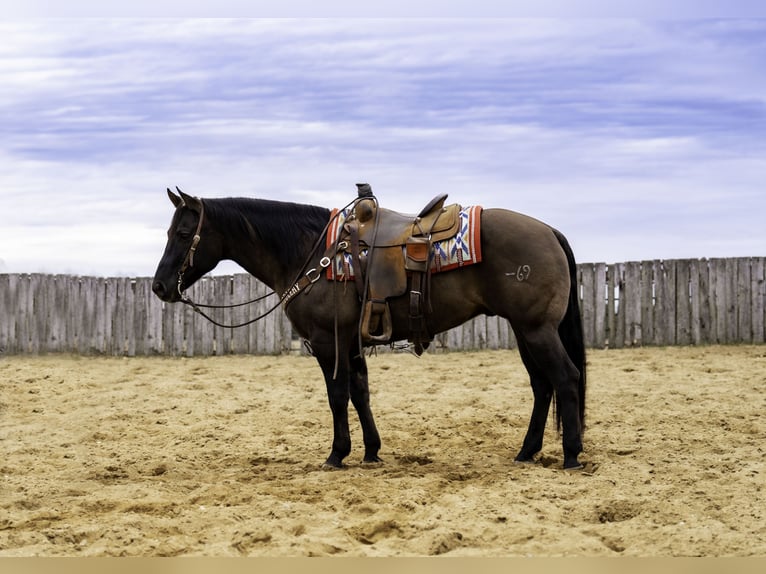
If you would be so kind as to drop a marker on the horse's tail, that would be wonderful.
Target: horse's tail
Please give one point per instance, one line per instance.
(570, 330)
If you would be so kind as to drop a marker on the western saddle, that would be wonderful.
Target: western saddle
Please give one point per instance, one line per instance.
(391, 256)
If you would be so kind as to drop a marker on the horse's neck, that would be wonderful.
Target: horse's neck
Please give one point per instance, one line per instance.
(274, 252)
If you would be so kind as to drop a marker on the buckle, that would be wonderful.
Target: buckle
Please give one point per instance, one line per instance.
(316, 273)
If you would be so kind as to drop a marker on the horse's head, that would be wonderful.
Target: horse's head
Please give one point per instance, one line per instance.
(193, 248)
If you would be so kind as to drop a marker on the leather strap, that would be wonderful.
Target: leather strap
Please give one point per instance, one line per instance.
(189, 259)
(353, 230)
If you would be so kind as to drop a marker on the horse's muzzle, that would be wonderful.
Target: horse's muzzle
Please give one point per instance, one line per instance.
(162, 291)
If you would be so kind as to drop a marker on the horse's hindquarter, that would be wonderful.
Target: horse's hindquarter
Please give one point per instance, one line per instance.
(523, 276)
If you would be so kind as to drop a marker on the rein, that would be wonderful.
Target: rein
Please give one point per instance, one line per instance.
(189, 262)
(302, 282)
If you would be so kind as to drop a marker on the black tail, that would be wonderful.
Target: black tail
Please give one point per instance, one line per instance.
(570, 329)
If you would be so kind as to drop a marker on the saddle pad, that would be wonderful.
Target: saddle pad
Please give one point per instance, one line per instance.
(459, 251)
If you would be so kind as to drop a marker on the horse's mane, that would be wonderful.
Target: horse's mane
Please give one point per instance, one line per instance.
(286, 227)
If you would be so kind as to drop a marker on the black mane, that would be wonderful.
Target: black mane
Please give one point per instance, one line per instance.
(286, 227)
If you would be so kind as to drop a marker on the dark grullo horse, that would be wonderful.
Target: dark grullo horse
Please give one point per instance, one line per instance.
(277, 242)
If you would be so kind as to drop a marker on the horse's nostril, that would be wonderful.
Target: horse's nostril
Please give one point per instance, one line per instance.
(159, 288)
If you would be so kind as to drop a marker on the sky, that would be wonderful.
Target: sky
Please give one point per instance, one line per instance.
(639, 138)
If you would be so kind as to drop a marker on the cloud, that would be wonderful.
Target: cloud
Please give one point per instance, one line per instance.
(597, 126)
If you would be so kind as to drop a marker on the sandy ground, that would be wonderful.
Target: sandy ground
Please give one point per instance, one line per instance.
(222, 457)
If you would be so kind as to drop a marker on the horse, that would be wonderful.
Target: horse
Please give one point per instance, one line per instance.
(277, 241)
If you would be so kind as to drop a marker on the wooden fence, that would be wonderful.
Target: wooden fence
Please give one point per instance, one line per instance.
(673, 302)
(121, 316)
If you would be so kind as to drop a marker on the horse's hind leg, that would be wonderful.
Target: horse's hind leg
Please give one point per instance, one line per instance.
(360, 398)
(543, 393)
(546, 350)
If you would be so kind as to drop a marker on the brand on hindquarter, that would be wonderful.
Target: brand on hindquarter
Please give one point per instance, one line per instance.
(521, 273)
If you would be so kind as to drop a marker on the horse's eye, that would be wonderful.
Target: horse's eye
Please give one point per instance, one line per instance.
(184, 234)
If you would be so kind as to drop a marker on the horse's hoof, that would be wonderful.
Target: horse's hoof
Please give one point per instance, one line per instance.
(376, 461)
(333, 463)
(575, 465)
(525, 457)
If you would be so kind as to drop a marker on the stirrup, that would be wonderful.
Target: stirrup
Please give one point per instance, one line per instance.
(377, 310)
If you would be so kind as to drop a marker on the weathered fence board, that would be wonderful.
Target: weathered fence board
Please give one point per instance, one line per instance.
(758, 298)
(647, 302)
(694, 303)
(616, 318)
(631, 303)
(744, 322)
(586, 278)
(659, 302)
(683, 305)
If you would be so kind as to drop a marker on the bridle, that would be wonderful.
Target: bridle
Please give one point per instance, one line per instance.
(302, 283)
(189, 259)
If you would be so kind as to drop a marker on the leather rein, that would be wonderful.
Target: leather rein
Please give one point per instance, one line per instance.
(302, 283)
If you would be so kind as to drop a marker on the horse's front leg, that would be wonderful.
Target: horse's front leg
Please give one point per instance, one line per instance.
(337, 382)
(360, 397)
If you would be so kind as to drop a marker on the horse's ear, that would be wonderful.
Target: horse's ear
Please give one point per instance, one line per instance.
(177, 201)
(192, 203)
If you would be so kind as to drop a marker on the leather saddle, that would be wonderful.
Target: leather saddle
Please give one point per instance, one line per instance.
(392, 253)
